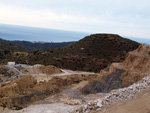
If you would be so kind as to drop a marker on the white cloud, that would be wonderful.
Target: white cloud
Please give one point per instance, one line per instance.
(12, 15)
(125, 17)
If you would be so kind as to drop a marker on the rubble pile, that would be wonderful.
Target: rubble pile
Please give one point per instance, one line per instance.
(114, 96)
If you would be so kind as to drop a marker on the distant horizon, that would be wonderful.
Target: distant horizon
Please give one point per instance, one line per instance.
(42, 28)
(30, 29)
(9, 32)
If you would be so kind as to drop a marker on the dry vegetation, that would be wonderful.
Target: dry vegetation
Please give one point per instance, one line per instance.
(92, 53)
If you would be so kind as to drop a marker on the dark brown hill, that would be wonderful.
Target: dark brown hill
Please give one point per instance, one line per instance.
(92, 53)
(9, 50)
(8, 46)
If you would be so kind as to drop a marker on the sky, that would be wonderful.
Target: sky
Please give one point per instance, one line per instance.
(123, 17)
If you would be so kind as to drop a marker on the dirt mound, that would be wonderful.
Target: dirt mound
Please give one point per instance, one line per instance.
(16, 87)
(119, 75)
(25, 90)
(41, 70)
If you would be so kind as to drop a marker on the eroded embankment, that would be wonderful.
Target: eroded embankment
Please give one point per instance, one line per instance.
(119, 75)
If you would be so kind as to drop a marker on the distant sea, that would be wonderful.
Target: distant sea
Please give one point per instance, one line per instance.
(140, 40)
(15, 32)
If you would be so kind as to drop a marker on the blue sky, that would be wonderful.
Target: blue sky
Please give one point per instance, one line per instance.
(123, 17)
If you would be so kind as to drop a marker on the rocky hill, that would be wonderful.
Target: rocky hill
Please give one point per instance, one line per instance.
(19, 50)
(91, 53)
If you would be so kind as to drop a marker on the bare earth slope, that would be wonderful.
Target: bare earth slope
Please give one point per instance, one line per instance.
(119, 75)
(130, 81)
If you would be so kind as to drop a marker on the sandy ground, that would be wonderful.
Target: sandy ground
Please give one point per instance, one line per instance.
(42, 108)
(140, 104)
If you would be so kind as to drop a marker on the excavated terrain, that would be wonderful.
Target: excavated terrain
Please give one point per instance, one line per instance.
(10, 72)
(125, 82)
(87, 92)
(23, 91)
(114, 99)
(119, 75)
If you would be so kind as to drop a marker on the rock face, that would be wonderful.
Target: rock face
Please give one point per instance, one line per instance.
(119, 75)
(138, 60)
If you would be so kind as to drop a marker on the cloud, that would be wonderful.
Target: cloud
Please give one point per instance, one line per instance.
(19, 15)
(125, 17)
